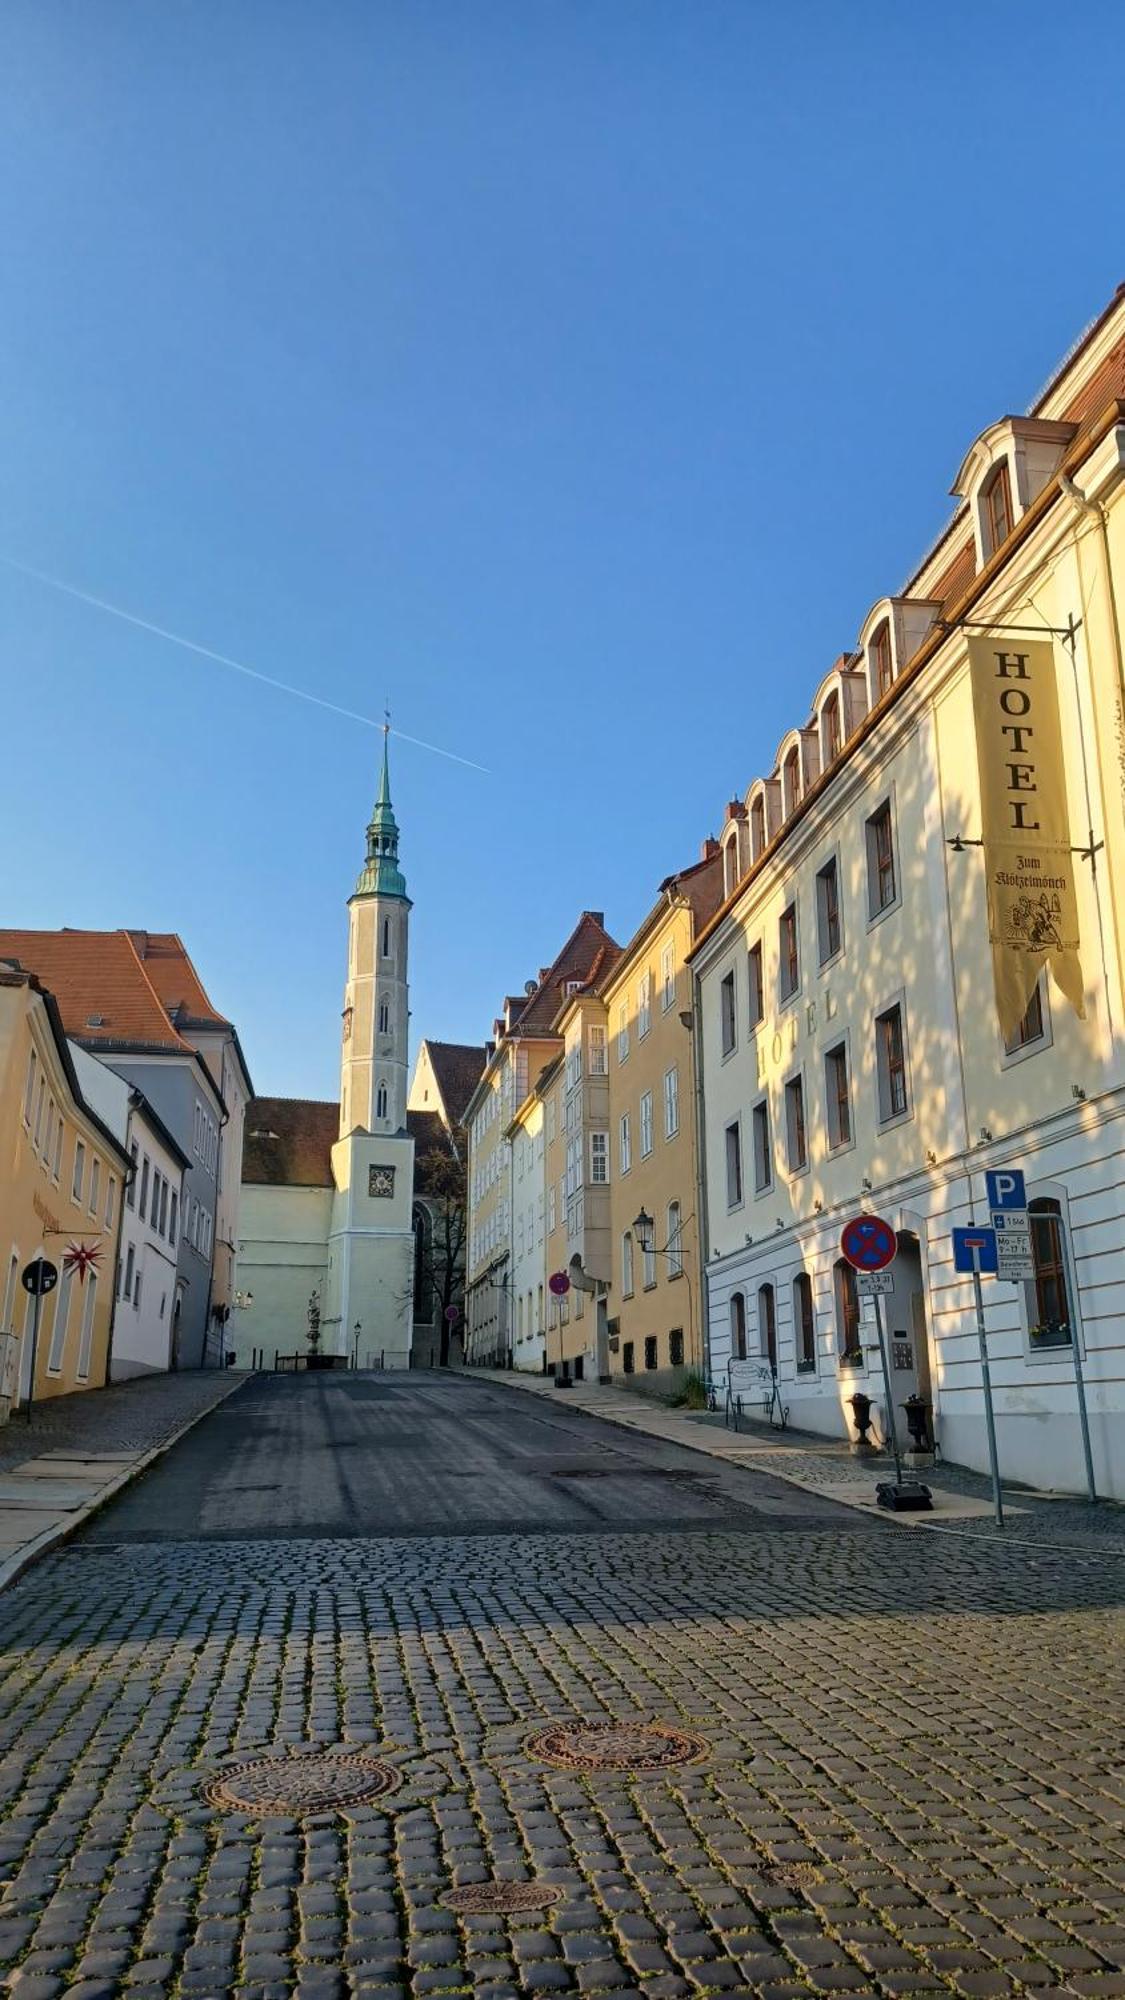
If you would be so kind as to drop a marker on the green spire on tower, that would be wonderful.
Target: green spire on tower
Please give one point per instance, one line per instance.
(381, 874)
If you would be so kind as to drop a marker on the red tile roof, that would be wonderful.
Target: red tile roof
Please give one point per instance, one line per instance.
(103, 990)
(175, 978)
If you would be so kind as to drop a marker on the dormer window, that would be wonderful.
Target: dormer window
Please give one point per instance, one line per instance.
(997, 502)
(882, 660)
(758, 826)
(791, 778)
(730, 864)
(830, 728)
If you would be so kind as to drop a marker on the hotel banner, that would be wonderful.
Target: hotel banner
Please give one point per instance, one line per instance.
(1029, 868)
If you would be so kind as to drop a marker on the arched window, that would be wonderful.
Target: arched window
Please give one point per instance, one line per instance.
(737, 1327)
(1053, 1324)
(758, 826)
(384, 1017)
(381, 1101)
(996, 500)
(804, 1323)
(882, 661)
(767, 1326)
(831, 735)
(386, 937)
(792, 780)
(847, 1314)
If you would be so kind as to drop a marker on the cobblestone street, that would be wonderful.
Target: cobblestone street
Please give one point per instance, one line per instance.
(905, 1775)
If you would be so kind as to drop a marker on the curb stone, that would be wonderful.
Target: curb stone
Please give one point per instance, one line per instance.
(63, 1530)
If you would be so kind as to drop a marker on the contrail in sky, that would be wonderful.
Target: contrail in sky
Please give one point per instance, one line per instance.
(237, 666)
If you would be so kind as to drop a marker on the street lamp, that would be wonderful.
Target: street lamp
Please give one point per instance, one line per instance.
(356, 1330)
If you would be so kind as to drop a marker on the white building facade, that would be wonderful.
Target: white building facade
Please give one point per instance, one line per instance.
(851, 1052)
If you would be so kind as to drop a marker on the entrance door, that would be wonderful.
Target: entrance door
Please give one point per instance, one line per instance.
(904, 1321)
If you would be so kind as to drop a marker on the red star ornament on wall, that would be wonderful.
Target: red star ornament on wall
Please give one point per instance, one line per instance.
(80, 1258)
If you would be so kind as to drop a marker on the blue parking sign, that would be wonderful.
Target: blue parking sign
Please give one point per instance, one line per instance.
(974, 1249)
(1006, 1188)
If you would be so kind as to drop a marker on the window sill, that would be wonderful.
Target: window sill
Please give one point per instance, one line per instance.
(788, 999)
(876, 917)
(841, 1146)
(826, 964)
(851, 1367)
(796, 1173)
(728, 1053)
(1010, 1057)
(806, 1368)
(675, 1274)
(896, 1118)
(765, 1188)
(650, 1287)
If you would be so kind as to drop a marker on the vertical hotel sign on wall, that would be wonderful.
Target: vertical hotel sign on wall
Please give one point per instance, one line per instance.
(1025, 826)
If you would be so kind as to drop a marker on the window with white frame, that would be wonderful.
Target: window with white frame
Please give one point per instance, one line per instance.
(552, 1209)
(732, 1141)
(596, 1040)
(671, 1102)
(882, 884)
(624, 1144)
(890, 1058)
(667, 977)
(29, 1087)
(62, 1314)
(599, 1158)
(789, 963)
(829, 930)
(56, 1164)
(646, 1123)
(796, 1136)
(48, 1126)
(552, 1119)
(757, 985)
(648, 1261)
(95, 1184)
(79, 1169)
(728, 1023)
(627, 1264)
(763, 1152)
(644, 1006)
(837, 1092)
(574, 1165)
(622, 1031)
(674, 1240)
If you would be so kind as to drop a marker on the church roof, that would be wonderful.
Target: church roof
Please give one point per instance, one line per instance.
(458, 1068)
(288, 1142)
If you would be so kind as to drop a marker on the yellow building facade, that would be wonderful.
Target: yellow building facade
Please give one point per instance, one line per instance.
(655, 1310)
(62, 1174)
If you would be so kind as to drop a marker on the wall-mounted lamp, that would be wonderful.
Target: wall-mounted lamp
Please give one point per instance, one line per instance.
(985, 1138)
(818, 1206)
(1078, 1094)
(687, 1018)
(931, 1157)
(865, 1185)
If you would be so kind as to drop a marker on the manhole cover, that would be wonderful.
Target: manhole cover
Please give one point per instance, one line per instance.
(304, 1784)
(615, 1746)
(482, 1899)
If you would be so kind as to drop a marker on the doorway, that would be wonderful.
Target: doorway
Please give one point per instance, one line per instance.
(907, 1332)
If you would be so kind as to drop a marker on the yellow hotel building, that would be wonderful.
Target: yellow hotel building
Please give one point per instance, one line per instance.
(61, 1179)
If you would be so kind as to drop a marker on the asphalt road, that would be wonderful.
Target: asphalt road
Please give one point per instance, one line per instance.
(339, 1456)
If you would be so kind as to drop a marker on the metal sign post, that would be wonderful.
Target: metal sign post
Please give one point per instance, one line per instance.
(892, 1430)
(976, 1250)
(986, 1381)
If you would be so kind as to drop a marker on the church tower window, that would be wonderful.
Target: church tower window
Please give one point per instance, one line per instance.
(384, 1017)
(386, 937)
(381, 1101)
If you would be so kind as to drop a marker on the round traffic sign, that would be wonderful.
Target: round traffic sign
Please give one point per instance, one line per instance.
(868, 1243)
(559, 1284)
(452, 1314)
(39, 1277)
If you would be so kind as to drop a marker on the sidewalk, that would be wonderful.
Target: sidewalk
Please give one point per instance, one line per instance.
(962, 1499)
(77, 1451)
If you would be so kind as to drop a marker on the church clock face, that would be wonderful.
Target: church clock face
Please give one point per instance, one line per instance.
(380, 1180)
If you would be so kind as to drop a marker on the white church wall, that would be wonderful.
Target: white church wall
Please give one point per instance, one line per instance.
(282, 1259)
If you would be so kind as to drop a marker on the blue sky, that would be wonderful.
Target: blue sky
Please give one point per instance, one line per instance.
(574, 375)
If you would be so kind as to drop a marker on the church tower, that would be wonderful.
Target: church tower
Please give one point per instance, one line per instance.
(373, 1061)
(367, 1307)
